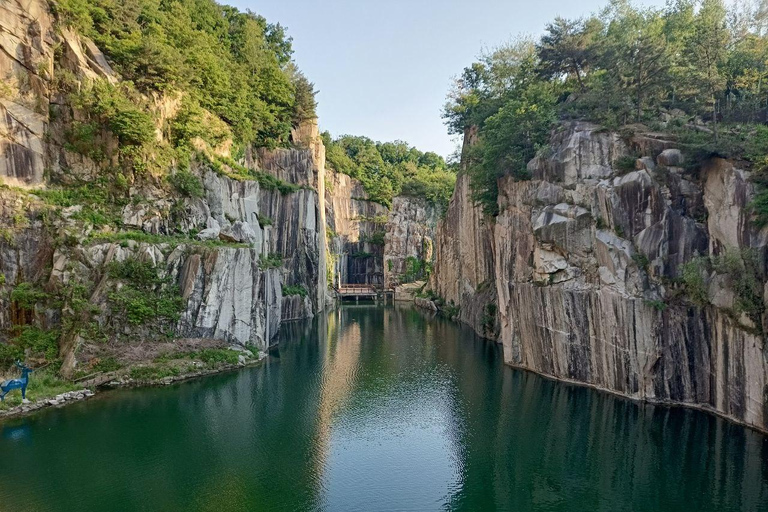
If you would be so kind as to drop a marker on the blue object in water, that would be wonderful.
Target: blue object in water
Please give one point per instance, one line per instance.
(9, 385)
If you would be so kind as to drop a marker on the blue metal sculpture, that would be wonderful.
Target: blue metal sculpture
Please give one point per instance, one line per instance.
(9, 385)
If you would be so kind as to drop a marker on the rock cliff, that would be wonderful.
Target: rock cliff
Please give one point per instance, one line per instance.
(222, 256)
(464, 258)
(409, 241)
(355, 232)
(645, 281)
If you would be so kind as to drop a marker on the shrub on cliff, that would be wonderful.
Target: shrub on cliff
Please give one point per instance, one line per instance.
(144, 296)
(115, 108)
(187, 184)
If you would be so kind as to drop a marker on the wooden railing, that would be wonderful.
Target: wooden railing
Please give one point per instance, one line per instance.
(357, 289)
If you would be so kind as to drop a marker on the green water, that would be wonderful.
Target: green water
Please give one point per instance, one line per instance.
(378, 409)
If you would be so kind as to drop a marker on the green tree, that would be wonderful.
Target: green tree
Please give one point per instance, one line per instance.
(568, 48)
(706, 51)
(509, 140)
(636, 55)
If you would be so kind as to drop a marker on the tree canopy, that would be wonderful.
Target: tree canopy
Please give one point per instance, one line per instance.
(388, 169)
(624, 65)
(234, 64)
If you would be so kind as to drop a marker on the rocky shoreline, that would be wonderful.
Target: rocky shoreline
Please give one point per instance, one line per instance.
(122, 381)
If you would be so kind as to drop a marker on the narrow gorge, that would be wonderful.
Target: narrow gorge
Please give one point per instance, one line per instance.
(570, 311)
(578, 276)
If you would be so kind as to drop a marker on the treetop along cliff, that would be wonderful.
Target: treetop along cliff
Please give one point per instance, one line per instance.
(238, 86)
(389, 169)
(235, 65)
(693, 69)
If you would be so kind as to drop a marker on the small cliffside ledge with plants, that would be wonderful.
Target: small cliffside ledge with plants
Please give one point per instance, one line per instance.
(165, 204)
(608, 223)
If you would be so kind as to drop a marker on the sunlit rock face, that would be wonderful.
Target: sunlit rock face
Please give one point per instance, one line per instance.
(356, 228)
(410, 235)
(465, 257)
(26, 61)
(587, 272)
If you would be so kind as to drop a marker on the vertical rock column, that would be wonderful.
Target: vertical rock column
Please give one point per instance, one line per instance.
(307, 134)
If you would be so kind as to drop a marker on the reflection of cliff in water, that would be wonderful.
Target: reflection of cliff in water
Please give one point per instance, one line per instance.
(378, 409)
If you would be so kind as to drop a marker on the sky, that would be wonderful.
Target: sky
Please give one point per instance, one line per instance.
(383, 68)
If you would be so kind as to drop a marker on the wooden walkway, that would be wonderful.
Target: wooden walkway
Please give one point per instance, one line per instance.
(357, 291)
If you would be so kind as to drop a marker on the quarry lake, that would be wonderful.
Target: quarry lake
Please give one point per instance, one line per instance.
(378, 409)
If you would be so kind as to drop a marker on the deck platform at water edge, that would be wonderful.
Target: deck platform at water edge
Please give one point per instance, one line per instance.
(362, 291)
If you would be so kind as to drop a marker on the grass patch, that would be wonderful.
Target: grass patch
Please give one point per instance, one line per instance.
(229, 168)
(212, 357)
(173, 241)
(43, 384)
(272, 260)
(100, 207)
(154, 372)
(293, 290)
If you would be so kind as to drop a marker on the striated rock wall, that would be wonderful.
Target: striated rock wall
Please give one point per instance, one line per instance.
(26, 61)
(356, 229)
(410, 235)
(464, 258)
(595, 271)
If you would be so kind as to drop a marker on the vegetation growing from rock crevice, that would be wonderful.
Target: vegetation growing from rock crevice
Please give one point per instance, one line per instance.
(143, 295)
(416, 270)
(270, 261)
(295, 290)
(228, 167)
(743, 276)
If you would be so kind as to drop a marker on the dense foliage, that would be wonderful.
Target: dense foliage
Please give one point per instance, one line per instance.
(388, 169)
(697, 59)
(233, 64)
(144, 296)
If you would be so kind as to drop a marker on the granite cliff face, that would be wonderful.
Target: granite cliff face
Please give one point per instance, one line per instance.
(372, 244)
(464, 258)
(229, 251)
(355, 232)
(646, 282)
(228, 292)
(410, 237)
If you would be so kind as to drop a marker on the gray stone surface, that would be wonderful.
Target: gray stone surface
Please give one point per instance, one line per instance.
(585, 276)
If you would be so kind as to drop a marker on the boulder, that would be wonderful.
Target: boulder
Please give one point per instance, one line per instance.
(670, 158)
(239, 232)
(209, 234)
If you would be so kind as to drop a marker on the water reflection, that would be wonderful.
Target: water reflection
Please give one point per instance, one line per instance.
(378, 409)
